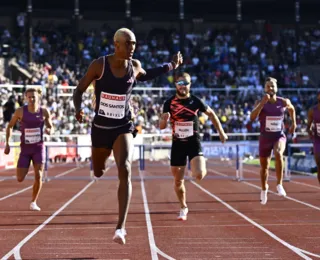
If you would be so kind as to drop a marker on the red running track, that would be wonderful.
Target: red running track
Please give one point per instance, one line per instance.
(225, 221)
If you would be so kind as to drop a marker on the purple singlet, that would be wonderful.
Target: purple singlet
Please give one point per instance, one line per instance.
(32, 148)
(316, 129)
(271, 126)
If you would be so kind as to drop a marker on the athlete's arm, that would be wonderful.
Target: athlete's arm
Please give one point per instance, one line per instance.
(310, 120)
(258, 107)
(217, 125)
(94, 72)
(15, 117)
(149, 74)
(48, 121)
(292, 113)
(165, 115)
(163, 120)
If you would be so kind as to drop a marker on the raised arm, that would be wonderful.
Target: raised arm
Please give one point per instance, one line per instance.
(258, 107)
(217, 125)
(149, 74)
(94, 72)
(15, 117)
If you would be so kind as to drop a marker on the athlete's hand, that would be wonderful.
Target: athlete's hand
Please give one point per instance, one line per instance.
(79, 116)
(7, 149)
(292, 128)
(223, 137)
(310, 133)
(177, 60)
(265, 99)
(48, 131)
(165, 116)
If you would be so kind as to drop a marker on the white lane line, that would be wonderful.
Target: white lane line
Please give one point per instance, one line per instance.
(259, 188)
(29, 187)
(154, 249)
(16, 250)
(292, 248)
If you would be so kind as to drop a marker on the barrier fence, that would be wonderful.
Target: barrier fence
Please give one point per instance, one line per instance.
(234, 161)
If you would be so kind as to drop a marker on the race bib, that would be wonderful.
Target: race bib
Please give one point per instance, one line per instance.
(184, 129)
(112, 105)
(32, 135)
(318, 129)
(274, 123)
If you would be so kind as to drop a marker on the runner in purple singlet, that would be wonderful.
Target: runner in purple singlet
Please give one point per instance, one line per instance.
(270, 111)
(314, 132)
(114, 77)
(32, 118)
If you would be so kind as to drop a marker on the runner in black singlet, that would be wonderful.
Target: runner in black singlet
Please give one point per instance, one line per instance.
(182, 109)
(115, 76)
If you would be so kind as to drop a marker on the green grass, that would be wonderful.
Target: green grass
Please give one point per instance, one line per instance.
(257, 162)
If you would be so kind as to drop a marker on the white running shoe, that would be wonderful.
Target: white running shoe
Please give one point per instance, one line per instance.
(119, 236)
(183, 214)
(34, 206)
(281, 191)
(264, 195)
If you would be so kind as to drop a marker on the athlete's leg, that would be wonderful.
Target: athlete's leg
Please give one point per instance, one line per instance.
(38, 159)
(265, 149)
(278, 149)
(23, 166)
(38, 173)
(122, 150)
(264, 171)
(317, 160)
(178, 163)
(102, 141)
(179, 187)
(99, 157)
(37, 185)
(197, 161)
(198, 167)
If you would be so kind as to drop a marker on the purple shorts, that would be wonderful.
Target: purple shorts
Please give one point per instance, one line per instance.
(34, 153)
(316, 146)
(266, 144)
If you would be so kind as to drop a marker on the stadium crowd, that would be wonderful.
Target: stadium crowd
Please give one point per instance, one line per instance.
(213, 58)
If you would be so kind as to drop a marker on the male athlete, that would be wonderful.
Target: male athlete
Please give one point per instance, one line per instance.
(182, 109)
(32, 118)
(270, 110)
(115, 76)
(314, 133)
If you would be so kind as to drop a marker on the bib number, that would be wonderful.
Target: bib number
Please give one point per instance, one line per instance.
(112, 105)
(184, 129)
(32, 135)
(273, 123)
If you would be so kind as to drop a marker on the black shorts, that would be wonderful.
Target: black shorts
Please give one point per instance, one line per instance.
(180, 150)
(105, 138)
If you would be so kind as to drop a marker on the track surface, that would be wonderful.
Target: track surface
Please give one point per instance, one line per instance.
(225, 220)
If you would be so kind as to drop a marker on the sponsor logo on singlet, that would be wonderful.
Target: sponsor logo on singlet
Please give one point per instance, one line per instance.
(32, 135)
(112, 105)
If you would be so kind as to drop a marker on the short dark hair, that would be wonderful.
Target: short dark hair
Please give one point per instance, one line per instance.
(270, 79)
(182, 74)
